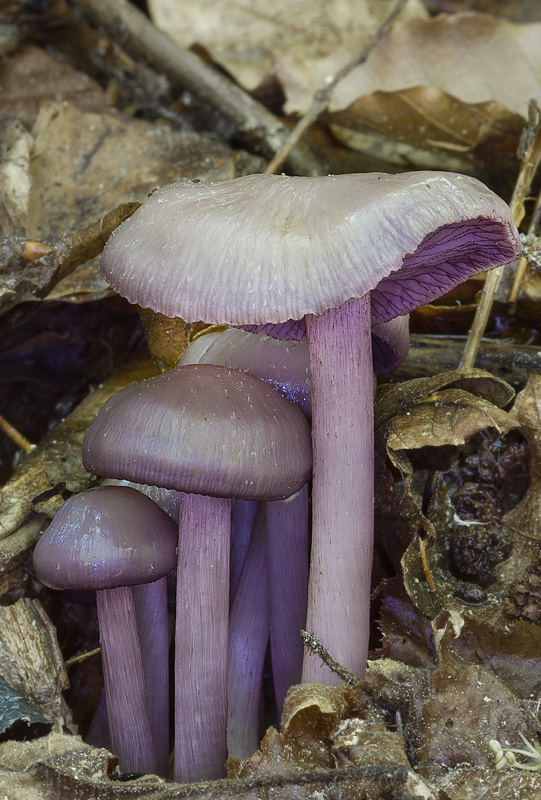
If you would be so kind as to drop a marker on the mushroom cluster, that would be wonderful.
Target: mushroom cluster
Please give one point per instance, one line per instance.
(332, 266)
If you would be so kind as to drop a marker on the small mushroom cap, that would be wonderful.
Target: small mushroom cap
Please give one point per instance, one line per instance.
(104, 538)
(203, 429)
(269, 248)
(167, 499)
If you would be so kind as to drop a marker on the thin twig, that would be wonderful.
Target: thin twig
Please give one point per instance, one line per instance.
(380, 777)
(531, 155)
(82, 656)
(523, 263)
(426, 569)
(253, 123)
(313, 644)
(323, 96)
(20, 440)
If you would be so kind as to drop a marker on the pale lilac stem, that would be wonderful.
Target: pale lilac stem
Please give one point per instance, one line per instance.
(243, 514)
(287, 548)
(342, 487)
(201, 636)
(152, 626)
(98, 733)
(248, 638)
(125, 691)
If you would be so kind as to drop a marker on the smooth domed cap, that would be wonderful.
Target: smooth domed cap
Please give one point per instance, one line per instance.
(203, 429)
(167, 499)
(104, 538)
(268, 248)
(283, 365)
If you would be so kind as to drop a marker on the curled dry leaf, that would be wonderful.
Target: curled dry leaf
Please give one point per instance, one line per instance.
(21, 275)
(450, 416)
(73, 167)
(326, 730)
(425, 128)
(525, 518)
(439, 411)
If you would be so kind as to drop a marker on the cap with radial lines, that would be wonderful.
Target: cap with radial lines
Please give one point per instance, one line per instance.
(266, 249)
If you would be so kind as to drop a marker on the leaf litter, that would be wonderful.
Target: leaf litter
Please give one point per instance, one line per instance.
(453, 668)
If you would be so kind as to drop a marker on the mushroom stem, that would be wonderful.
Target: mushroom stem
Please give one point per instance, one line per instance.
(342, 488)
(152, 626)
(287, 548)
(201, 637)
(243, 515)
(248, 638)
(127, 705)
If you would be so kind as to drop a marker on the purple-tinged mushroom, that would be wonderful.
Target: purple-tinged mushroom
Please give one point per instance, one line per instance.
(248, 638)
(285, 366)
(153, 629)
(333, 255)
(111, 539)
(213, 433)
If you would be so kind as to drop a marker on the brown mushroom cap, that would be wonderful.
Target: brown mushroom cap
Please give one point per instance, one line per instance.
(270, 248)
(203, 429)
(104, 538)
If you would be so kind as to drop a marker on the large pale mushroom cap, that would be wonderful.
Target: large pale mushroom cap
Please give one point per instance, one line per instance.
(203, 429)
(269, 248)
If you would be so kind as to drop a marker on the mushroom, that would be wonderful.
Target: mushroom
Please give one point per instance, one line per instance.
(249, 626)
(285, 365)
(331, 255)
(213, 433)
(153, 630)
(111, 539)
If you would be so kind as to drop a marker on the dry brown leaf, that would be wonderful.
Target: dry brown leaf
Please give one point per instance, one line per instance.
(325, 728)
(511, 650)
(241, 36)
(474, 57)
(76, 165)
(84, 164)
(449, 713)
(525, 518)
(426, 128)
(31, 77)
(451, 416)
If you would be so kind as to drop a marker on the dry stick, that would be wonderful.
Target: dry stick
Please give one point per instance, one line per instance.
(82, 656)
(254, 124)
(530, 152)
(322, 97)
(523, 263)
(20, 440)
(312, 643)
